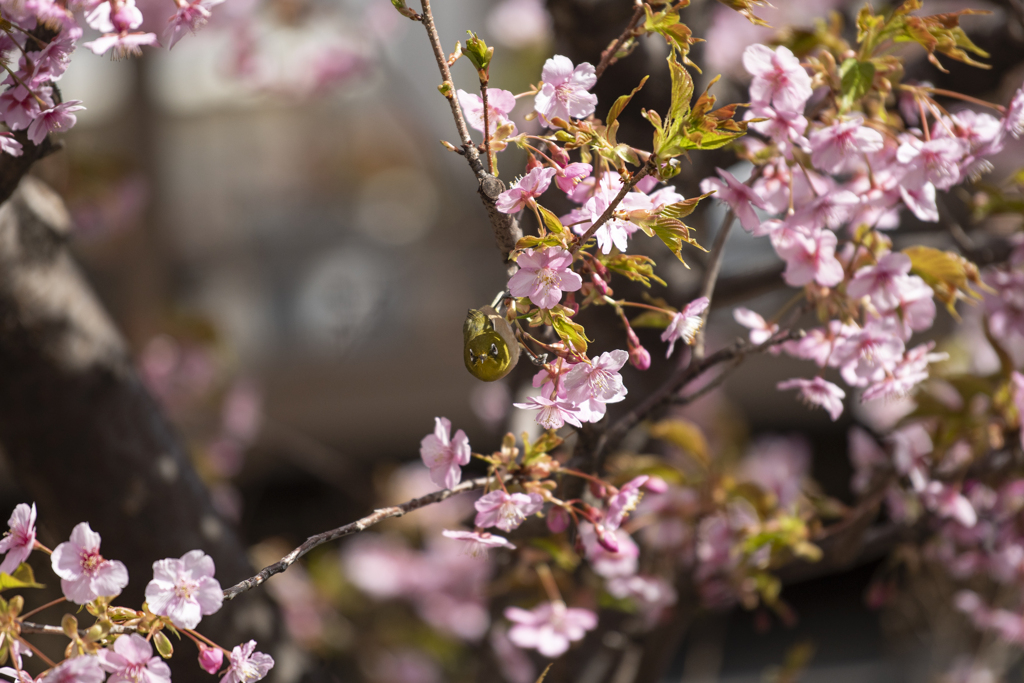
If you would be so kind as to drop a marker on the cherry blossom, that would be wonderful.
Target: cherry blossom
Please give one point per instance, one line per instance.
(246, 665)
(610, 552)
(779, 80)
(777, 464)
(525, 190)
(811, 258)
(83, 572)
(571, 175)
(685, 324)
(131, 660)
(920, 200)
(910, 371)
(478, 542)
(191, 16)
(210, 658)
(623, 502)
(445, 455)
(80, 669)
(56, 118)
(499, 104)
(865, 356)
(598, 380)
(1013, 121)
(760, 331)
(881, 281)
(20, 539)
(839, 147)
(184, 589)
(550, 627)
(553, 413)
(564, 91)
(935, 161)
(740, 198)
(8, 145)
(543, 275)
(818, 392)
(506, 511)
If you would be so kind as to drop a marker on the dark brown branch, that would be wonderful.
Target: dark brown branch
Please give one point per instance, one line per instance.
(710, 279)
(608, 55)
(355, 527)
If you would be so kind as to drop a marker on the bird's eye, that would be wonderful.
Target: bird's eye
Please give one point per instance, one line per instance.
(494, 350)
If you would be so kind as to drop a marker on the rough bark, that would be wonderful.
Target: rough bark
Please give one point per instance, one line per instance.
(83, 437)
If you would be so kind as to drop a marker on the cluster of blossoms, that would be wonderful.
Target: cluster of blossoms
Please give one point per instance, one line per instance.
(181, 593)
(39, 38)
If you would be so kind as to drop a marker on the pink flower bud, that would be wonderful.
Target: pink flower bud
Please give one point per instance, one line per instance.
(532, 163)
(599, 490)
(656, 485)
(210, 658)
(570, 303)
(639, 358)
(558, 520)
(599, 282)
(608, 541)
(558, 155)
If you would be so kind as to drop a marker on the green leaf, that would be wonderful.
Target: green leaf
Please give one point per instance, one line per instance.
(549, 240)
(617, 107)
(636, 267)
(571, 333)
(551, 221)
(163, 645)
(651, 319)
(669, 227)
(560, 552)
(684, 434)
(746, 8)
(856, 79)
(21, 578)
(478, 52)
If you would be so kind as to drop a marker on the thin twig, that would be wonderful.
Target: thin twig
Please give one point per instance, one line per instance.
(608, 56)
(487, 127)
(711, 273)
(377, 517)
(606, 216)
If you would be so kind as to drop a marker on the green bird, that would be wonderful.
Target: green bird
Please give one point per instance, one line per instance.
(491, 350)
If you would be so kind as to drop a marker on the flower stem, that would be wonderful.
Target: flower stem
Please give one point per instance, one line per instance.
(26, 615)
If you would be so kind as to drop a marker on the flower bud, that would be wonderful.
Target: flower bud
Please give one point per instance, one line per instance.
(598, 490)
(558, 520)
(571, 304)
(210, 658)
(532, 163)
(163, 645)
(599, 282)
(656, 485)
(608, 540)
(639, 358)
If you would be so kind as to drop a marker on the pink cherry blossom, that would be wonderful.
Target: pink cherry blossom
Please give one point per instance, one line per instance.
(841, 146)
(623, 502)
(506, 511)
(614, 232)
(190, 16)
(920, 199)
(210, 658)
(543, 275)
(572, 175)
(106, 19)
(83, 572)
(525, 190)
(740, 198)
(685, 324)
(910, 371)
(20, 539)
(611, 553)
(782, 126)
(184, 589)
(776, 464)
(779, 79)
(553, 413)
(247, 666)
(59, 118)
(760, 331)
(598, 380)
(80, 669)
(866, 456)
(564, 91)
(499, 104)
(818, 392)
(881, 281)
(811, 258)
(935, 161)
(444, 455)
(865, 356)
(8, 145)
(124, 44)
(1013, 121)
(550, 627)
(131, 660)
(478, 542)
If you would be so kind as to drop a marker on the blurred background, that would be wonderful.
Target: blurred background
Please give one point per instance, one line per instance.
(267, 215)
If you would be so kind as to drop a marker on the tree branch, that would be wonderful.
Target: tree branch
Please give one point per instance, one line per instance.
(355, 527)
(507, 231)
(608, 55)
(710, 279)
(606, 216)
